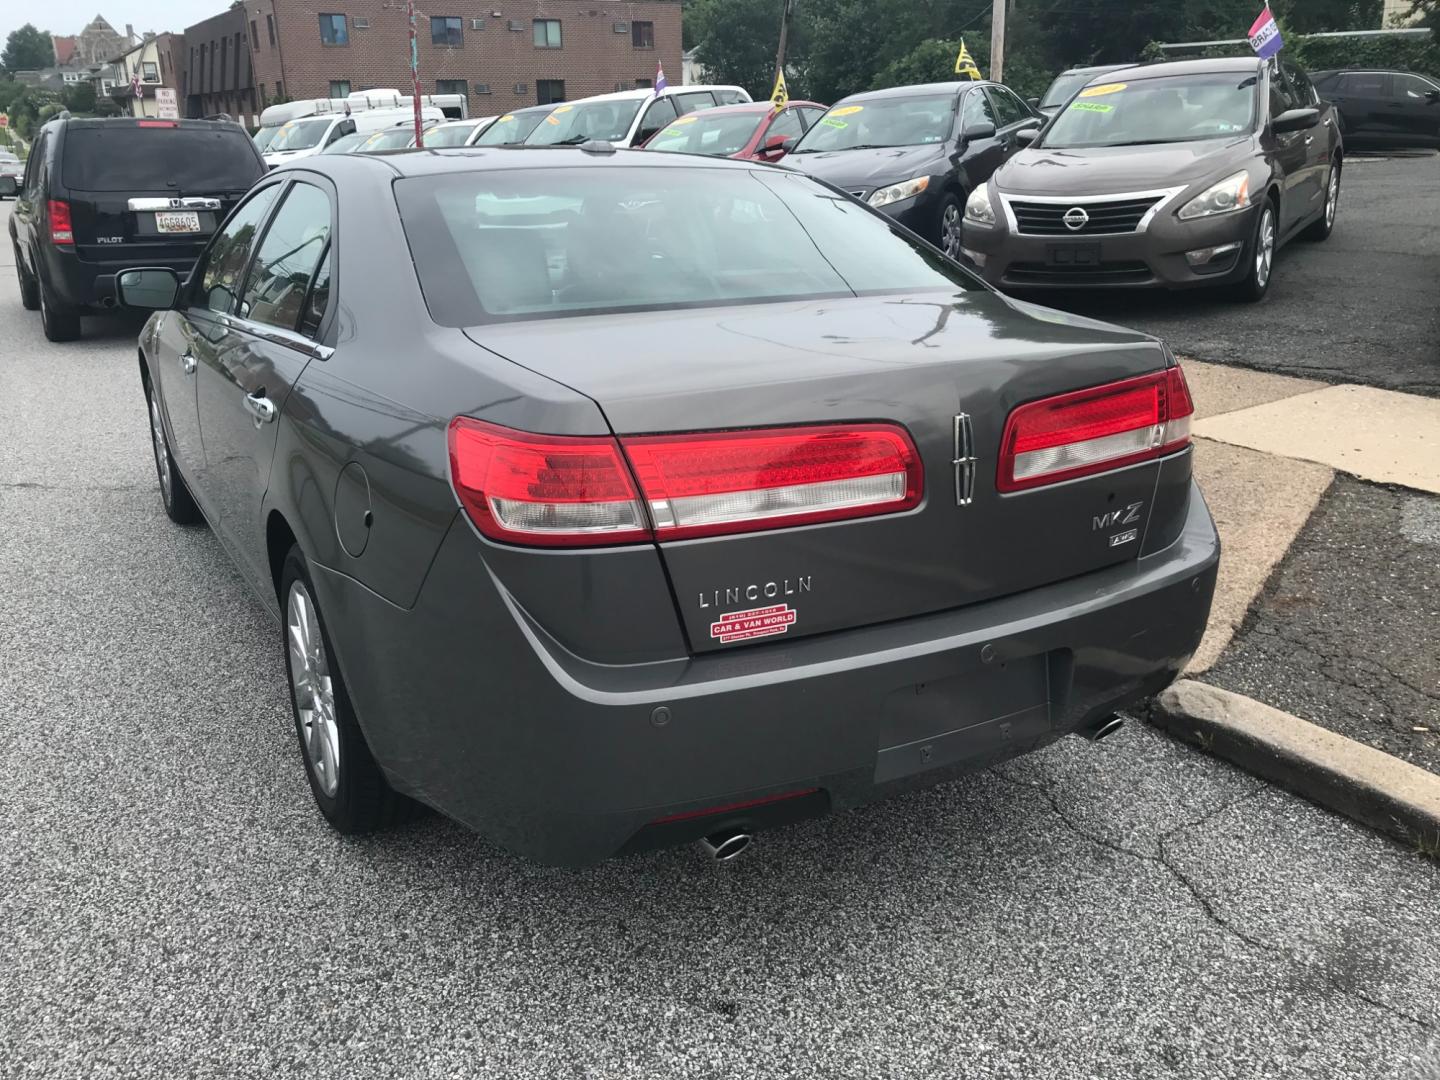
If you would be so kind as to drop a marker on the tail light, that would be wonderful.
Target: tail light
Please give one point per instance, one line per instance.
(562, 491)
(60, 229)
(1095, 430)
(739, 481)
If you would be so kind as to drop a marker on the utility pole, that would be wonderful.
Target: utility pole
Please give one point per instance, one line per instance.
(784, 32)
(415, 74)
(997, 40)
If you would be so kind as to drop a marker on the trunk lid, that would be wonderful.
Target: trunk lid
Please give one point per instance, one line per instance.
(920, 360)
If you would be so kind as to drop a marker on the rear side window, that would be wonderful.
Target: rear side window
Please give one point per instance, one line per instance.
(1008, 109)
(128, 157)
(225, 260)
(1364, 83)
(688, 103)
(285, 264)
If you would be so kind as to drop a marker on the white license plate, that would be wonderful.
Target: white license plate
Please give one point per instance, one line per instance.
(177, 221)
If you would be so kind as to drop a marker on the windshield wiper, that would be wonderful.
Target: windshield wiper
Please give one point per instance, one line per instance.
(574, 140)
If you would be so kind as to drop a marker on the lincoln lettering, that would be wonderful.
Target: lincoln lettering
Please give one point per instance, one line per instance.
(768, 590)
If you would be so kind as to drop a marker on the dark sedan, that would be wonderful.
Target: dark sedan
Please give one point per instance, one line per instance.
(1383, 109)
(915, 153)
(1181, 174)
(657, 497)
(1064, 86)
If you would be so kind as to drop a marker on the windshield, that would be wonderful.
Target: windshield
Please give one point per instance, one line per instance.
(264, 137)
(511, 128)
(1064, 85)
(184, 160)
(896, 121)
(345, 144)
(718, 135)
(450, 135)
(390, 139)
(608, 121)
(300, 134)
(1172, 108)
(548, 243)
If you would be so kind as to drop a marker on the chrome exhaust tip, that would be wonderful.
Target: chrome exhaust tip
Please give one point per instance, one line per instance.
(1103, 729)
(725, 845)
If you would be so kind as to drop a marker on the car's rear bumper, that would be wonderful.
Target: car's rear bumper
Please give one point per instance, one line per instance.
(90, 283)
(473, 708)
(1155, 257)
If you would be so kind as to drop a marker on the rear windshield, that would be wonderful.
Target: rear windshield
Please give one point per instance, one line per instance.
(126, 157)
(608, 121)
(391, 139)
(548, 243)
(511, 128)
(718, 135)
(450, 135)
(1063, 86)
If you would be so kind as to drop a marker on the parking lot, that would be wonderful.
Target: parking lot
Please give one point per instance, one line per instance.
(173, 904)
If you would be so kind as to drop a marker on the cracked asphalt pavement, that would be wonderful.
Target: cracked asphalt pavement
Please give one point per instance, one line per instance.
(1359, 308)
(172, 905)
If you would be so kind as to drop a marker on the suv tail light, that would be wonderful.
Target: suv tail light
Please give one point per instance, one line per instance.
(60, 230)
(563, 491)
(1095, 430)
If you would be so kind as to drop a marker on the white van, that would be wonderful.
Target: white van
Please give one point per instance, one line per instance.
(310, 134)
(454, 106)
(274, 117)
(629, 117)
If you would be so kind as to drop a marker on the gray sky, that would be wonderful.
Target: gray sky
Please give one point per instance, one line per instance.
(70, 16)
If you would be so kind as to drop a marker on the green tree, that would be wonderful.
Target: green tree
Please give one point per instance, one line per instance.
(27, 49)
(79, 97)
(737, 41)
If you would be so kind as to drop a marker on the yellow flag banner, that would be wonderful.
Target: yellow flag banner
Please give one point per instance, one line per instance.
(780, 97)
(965, 63)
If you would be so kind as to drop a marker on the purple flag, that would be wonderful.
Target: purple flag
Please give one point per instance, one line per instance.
(660, 82)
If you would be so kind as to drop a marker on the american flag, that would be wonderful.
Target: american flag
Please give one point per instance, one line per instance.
(660, 83)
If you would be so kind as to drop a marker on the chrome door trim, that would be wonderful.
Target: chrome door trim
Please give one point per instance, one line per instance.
(1164, 196)
(279, 336)
(190, 202)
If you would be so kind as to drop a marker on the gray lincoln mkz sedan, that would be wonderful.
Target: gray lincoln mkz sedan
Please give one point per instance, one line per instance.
(1180, 174)
(612, 499)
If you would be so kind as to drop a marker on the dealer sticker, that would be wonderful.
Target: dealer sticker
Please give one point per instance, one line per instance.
(755, 623)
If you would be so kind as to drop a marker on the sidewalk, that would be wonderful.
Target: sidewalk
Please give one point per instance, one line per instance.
(1327, 608)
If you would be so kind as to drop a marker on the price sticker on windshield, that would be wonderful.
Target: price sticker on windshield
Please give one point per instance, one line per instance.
(506, 118)
(848, 110)
(563, 109)
(684, 120)
(1101, 91)
(1091, 106)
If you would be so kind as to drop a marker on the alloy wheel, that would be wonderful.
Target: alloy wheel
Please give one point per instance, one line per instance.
(950, 230)
(313, 688)
(1265, 248)
(162, 449)
(1332, 198)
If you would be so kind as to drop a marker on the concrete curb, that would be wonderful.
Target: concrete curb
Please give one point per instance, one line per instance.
(1343, 775)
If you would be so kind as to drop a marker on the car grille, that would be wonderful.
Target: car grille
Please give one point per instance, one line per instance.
(1106, 273)
(1105, 216)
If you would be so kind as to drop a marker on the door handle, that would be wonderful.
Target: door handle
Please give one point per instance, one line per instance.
(261, 407)
(187, 362)
(1309, 139)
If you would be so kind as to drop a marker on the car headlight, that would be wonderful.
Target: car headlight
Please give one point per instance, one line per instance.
(1232, 193)
(978, 210)
(906, 189)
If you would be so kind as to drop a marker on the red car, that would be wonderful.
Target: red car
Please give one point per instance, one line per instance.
(754, 131)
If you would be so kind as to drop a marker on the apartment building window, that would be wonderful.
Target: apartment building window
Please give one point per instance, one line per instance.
(643, 84)
(224, 60)
(333, 30)
(339, 88)
(254, 35)
(445, 31)
(279, 89)
(547, 35)
(270, 29)
(642, 35)
(452, 86)
(549, 91)
(149, 72)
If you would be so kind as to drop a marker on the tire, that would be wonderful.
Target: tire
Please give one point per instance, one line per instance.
(29, 287)
(1260, 256)
(60, 321)
(347, 784)
(948, 225)
(174, 494)
(1323, 226)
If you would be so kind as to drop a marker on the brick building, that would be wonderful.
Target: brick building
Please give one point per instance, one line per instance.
(219, 77)
(504, 54)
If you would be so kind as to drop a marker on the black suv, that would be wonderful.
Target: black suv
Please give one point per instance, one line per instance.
(99, 196)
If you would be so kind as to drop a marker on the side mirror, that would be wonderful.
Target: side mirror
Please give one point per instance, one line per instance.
(981, 129)
(1295, 120)
(1033, 102)
(1432, 96)
(777, 146)
(153, 288)
(1026, 136)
